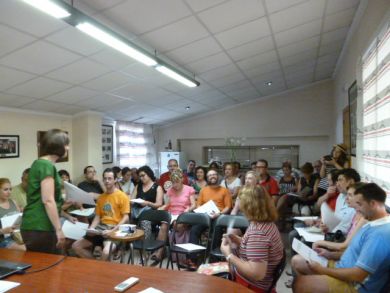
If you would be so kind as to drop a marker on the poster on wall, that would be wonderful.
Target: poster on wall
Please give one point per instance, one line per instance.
(40, 135)
(9, 146)
(352, 98)
(107, 144)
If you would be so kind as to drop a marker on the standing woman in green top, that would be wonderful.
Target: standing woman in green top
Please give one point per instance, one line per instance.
(41, 225)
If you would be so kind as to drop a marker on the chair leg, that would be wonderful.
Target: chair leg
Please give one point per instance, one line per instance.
(177, 261)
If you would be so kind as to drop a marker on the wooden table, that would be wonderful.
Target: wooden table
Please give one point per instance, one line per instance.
(82, 275)
(137, 235)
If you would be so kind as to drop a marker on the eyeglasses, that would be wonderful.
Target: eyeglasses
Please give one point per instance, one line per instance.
(172, 166)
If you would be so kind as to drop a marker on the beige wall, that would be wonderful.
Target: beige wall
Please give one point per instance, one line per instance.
(299, 117)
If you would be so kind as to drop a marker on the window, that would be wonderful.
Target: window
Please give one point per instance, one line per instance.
(375, 160)
(135, 145)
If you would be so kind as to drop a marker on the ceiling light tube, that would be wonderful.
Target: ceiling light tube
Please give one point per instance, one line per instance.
(115, 43)
(176, 76)
(49, 7)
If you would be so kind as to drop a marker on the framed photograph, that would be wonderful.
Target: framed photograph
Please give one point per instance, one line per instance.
(107, 144)
(40, 135)
(352, 98)
(9, 146)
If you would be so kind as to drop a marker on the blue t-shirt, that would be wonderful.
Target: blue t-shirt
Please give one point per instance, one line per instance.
(370, 251)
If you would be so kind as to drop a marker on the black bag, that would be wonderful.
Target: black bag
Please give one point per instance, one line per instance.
(337, 237)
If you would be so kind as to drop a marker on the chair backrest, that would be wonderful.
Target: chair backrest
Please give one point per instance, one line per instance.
(278, 271)
(238, 222)
(194, 219)
(155, 216)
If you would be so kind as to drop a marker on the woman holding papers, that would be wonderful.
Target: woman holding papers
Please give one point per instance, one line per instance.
(7, 207)
(41, 225)
(260, 250)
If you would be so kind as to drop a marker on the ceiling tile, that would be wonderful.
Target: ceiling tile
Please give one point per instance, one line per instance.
(161, 101)
(336, 35)
(304, 65)
(331, 47)
(258, 60)
(323, 74)
(331, 58)
(102, 100)
(228, 79)
(198, 5)
(11, 77)
(99, 5)
(252, 48)
(302, 80)
(176, 34)
(11, 39)
(244, 33)
(28, 19)
(246, 95)
(263, 79)
(140, 16)
(39, 88)
(300, 74)
(298, 47)
(42, 106)
(265, 68)
(108, 81)
(230, 14)
(297, 58)
(194, 51)
(112, 59)
(69, 109)
(39, 57)
(219, 72)
(277, 87)
(237, 86)
(298, 33)
(208, 63)
(72, 95)
(9, 100)
(139, 91)
(73, 39)
(114, 106)
(79, 72)
(277, 5)
(339, 19)
(337, 5)
(297, 15)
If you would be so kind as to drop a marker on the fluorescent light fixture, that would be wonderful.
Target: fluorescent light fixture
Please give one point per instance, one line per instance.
(172, 74)
(49, 7)
(115, 43)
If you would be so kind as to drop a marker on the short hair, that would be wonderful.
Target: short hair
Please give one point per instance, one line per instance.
(253, 163)
(201, 168)
(86, 168)
(286, 165)
(213, 165)
(173, 160)
(349, 174)
(53, 142)
(176, 175)
(116, 170)
(263, 161)
(4, 181)
(26, 171)
(334, 174)
(63, 172)
(109, 170)
(192, 161)
(125, 170)
(371, 191)
(307, 168)
(257, 205)
(148, 171)
(228, 164)
(356, 185)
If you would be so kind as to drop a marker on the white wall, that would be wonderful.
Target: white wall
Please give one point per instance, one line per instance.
(303, 117)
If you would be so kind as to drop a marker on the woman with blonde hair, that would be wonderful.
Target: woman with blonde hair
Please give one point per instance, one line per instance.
(251, 180)
(260, 250)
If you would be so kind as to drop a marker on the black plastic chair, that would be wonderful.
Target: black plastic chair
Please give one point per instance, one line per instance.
(223, 221)
(278, 271)
(156, 217)
(190, 219)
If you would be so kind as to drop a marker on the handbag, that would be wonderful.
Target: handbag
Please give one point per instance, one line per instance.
(337, 236)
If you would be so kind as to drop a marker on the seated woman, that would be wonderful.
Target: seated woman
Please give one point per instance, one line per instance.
(260, 250)
(251, 180)
(200, 180)
(231, 181)
(7, 208)
(287, 184)
(330, 197)
(152, 198)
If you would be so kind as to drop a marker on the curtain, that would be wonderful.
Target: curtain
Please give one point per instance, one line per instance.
(375, 132)
(135, 145)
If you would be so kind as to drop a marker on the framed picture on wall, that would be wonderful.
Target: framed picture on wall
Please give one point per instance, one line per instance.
(107, 144)
(9, 146)
(352, 98)
(40, 135)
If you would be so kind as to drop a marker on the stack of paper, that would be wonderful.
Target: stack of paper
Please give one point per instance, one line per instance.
(190, 246)
(76, 194)
(309, 237)
(74, 231)
(208, 208)
(137, 200)
(307, 253)
(83, 212)
(7, 285)
(305, 218)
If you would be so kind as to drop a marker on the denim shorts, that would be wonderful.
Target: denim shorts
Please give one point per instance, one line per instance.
(6, 242)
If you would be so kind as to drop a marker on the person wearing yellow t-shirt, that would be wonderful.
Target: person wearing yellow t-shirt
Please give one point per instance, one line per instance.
(112, 210)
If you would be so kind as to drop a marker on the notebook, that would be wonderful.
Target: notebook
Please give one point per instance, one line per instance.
(9, 267)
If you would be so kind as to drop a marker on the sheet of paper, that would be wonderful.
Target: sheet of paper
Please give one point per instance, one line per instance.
(76, 194)
(190, 246)
(305, 218)
(151, 290)
(328, 217)
(7, 285)
(12, 220)
(309, 237)
(83, 212)
(207, 208)
(174, 218)
(137, 200)
(293, 194)
(74, 231)
(307, 253)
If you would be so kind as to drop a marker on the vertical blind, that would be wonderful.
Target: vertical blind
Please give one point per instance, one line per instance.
(375, 159)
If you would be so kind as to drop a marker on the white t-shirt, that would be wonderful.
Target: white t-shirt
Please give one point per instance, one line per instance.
(232, 186)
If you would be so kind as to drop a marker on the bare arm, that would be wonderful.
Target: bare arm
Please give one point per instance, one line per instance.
(95, 222)
(252, 270)
(134, 194)
(193, 204)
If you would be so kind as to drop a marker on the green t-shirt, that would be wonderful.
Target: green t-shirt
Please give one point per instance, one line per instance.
(34, 215)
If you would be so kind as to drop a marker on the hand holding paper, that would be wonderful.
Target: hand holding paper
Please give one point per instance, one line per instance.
(307, 253)
(208, 208)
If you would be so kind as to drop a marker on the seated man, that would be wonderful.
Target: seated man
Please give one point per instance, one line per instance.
(165, 181)
(19, 191)
(91, 184)
(365, 264)
(112, 210)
